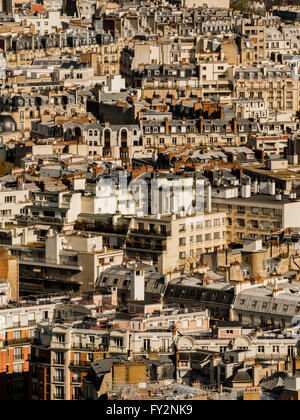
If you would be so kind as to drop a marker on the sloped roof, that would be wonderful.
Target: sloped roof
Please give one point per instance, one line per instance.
(242, 377)
(37, 8)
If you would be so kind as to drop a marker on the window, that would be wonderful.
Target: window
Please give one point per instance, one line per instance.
(59, 375)
(17, 335)
(146, 344)
(60, 358)
(18, 368)
(207, 223)
(254, 224)
(241, 222)
(18, 354)
(261, 349)
(182, 241)
(59, 393)
(61, 338)
(10, 199)
(76, 393)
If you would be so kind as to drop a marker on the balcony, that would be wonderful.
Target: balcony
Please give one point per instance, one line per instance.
(35, 260)
(149, 232)
(271, 356)
(117, 349)
(59, 379)
(18, 341)
(86, 346)
(38, 359)
(80, 363)
(59, 362)
(145, 245)
(57, 345)
(58, 397)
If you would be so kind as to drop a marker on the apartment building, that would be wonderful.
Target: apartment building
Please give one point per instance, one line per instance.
(274, 84)
(72, 74)
(174, 241)
(258, 215)
(63, 355)
(255, 30)
(274, 302)
(273, 145)
(13, 200)
(282, 41)
(59, 262)
(202, 132)
(17, 334)
(250, 108)
(106, 62)
(60, 208)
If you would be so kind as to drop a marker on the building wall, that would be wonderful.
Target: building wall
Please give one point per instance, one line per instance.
(9, 272)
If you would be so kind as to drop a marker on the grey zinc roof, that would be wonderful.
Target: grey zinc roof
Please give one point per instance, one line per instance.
(241, 376)
(260, 300)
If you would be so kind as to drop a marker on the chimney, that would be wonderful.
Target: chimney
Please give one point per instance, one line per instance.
(167, 126)
(201, 125)
(208, 202)
(221, 112)
(138, 284)
(235, 128)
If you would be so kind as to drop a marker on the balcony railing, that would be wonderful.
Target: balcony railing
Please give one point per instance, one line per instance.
(89, 346)
(149, 232)
(80, 363)
(58, 379)
(39, 359)
(117, 349)
(57, 345)
(18, 341)
(59, 362)
(142, 245)
(58, 396)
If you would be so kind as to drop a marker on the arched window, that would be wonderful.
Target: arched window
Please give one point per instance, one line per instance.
(107, 138)
(95, 132)
(77, 132)
(123, 137)
(90, 132)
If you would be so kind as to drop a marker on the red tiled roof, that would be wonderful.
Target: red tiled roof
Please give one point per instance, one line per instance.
(38, 8)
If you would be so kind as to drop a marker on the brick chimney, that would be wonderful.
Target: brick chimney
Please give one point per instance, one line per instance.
(221, 112)
(235, 128)
(167, 126)
(201, 125)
